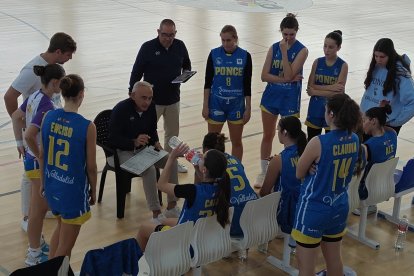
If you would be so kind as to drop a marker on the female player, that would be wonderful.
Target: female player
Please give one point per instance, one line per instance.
(68, 163)
(32, 111)
(282, 71)
(327, 165)
(327, 77)
(389, 80)
(227, 88)
(215, 188)
(281, 173)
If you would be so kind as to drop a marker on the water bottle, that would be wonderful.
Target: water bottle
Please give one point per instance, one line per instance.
(192, 155)
(401, 233)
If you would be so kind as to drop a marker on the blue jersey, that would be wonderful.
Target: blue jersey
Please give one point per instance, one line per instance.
(324, 75)
(241, 192)
(204, 204)
(322, 207)
(283, 98)
(327, 187)
(228, 72)
(276, 67)
(65, 178)
(382, 148)
(289, 186)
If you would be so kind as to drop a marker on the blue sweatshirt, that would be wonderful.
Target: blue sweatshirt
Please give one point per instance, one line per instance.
(402, 102)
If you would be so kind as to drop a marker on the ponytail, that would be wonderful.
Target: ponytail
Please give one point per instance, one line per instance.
(347, 115)
(380, 113)
(223, 200)
(293, 127)
(216, 163)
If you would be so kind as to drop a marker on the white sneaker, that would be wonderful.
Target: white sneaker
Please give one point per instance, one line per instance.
(173, 212)
(49, 215)
(158, 220)
(24, 223)
(34, 260)
(181, 168)
(259, 180)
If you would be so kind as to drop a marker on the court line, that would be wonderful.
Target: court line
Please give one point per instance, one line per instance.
(27, 24)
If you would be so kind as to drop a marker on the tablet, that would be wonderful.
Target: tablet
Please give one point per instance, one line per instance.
(185, 76)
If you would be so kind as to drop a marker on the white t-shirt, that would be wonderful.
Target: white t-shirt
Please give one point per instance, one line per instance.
(27, 82)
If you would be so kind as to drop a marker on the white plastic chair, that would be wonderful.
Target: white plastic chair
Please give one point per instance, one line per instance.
(404, 185)
(167, 252)
(353, 194)
(210, 241)
(258, 222)
(380, 186)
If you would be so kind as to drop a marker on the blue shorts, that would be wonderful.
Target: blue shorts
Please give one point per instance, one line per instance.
(316, 222)
(287, 209)
(31, 166)
(283, 99)
(222, 109)
(316, 123)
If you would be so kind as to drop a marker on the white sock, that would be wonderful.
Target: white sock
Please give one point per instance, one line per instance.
(263, 165)
(34, 252)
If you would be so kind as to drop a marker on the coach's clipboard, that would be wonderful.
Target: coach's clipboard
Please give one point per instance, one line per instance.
(143, 159)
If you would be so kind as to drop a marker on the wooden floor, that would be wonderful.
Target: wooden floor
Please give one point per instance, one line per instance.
(109, 34)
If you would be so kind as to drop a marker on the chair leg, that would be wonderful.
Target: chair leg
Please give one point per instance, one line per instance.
(157, 171)
(120, 194)
(128, 186)
(102, 184)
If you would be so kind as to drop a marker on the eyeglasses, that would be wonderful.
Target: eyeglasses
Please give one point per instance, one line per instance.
(169, 35)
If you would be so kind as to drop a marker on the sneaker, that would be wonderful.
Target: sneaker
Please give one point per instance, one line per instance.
(173, 212)
(371, 210)
(321, 273)
(181, 168)
(158, 220)
(24, 223)
(44, 247)
(35, 260)
(49, 215)
(259, 181)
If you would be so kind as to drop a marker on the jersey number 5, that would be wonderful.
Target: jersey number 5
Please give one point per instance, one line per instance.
(240, 179)
(54, 159)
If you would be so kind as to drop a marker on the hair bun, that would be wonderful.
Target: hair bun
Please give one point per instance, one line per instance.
(338, 32)
(291, 15)
(387, 108)
(39, 70)
(65, 83)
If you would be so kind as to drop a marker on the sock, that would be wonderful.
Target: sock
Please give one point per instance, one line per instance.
(34, 252)
(263, 165)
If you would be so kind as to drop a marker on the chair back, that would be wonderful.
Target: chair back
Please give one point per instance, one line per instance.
(102, 130)
(380, 182)
(407, 178)
(259, 220)
(210, 241)
(168, 252)
(353, 195)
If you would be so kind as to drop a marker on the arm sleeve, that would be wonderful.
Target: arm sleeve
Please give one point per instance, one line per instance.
(24, 105)
(406, 94)
(115, 131)
(186, 61)
(208, 80)
(247, 76)
(137, 69)
(25, 81)
(187, 191)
